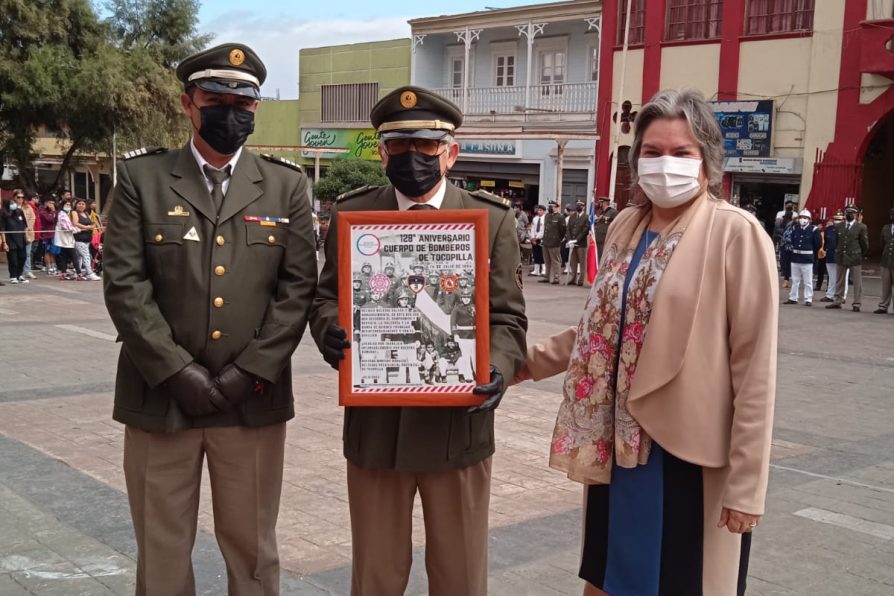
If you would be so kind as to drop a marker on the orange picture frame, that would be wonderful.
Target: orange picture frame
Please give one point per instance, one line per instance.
(358, 235)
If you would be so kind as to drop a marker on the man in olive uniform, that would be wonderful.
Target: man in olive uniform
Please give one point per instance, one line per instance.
(887, 265)
(576, 237)
(553, 236)
(853, 244)
(604, 216)
(209, 278)
(444, 453)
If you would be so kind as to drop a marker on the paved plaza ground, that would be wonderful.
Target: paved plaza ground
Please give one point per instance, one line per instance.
(65, 527)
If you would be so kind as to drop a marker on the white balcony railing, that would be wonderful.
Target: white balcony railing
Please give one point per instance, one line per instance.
(562, 98)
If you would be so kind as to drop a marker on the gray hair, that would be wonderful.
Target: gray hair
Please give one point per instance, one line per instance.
(690, 105)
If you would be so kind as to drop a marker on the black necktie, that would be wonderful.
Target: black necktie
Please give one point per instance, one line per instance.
(217, 177)
(422, 207)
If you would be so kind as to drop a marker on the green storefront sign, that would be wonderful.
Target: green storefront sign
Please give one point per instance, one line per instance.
(360, 142)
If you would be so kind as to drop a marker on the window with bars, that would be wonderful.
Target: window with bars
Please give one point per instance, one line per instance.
(778, 16)
(351, 102)
(693, 19)
(637, 21)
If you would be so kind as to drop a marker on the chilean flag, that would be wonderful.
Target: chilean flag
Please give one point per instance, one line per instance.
(592, 250)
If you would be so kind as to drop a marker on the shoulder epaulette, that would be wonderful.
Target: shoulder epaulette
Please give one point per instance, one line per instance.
(353, 193)
(281, 161)
(143, 151)
(487, 196)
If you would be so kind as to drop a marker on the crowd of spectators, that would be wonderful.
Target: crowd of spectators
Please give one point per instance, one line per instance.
(56, 234)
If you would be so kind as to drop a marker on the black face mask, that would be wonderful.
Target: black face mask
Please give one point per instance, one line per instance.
(414, 173)
(226, 127)
(580, 209)
(850, 216)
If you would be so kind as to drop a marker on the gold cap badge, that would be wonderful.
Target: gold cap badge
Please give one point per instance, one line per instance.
(408, 99)
(237, 57)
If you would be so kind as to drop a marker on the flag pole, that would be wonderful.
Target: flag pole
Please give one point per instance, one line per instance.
(616, 137)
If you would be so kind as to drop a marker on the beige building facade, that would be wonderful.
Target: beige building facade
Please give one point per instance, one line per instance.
(800, 89)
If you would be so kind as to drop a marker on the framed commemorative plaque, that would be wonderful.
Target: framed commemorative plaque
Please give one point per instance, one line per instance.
(413, 298)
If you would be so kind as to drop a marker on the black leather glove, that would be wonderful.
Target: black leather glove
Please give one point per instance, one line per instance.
(494, 390)
(195, 392)
(234, 384)
(335, 342)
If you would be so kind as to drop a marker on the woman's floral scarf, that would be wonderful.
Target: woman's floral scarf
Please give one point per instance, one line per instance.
(593, 421)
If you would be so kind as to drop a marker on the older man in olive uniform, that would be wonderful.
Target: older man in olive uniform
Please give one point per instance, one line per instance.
(443, 453)
(576, 237)
(887, 265)
(209, 278)
(853, 244)
(553, 236)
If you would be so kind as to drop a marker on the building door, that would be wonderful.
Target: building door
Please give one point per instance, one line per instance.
(768, 198)
(551, 74)
(623, 189)
(574, 186)
(876, 197)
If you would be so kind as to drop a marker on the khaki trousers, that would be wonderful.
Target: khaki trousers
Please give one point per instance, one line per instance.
(577, 261)
(163, 474)
(455, 512)
(553, 257)
(856, 273)
(887, 287)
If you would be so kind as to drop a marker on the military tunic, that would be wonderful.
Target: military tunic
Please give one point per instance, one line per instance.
(853, 244)
(432, 439)
(553, 230)
(185, 283)
(887, 239)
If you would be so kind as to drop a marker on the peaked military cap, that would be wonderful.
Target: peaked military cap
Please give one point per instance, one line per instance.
(415, 112)
(852, 209)
(228, 68)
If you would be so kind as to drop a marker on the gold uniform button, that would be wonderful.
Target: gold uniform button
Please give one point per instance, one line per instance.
(159, 237)
(216, 335)
(271, 239)
(219, 270)
(218, 302)
(220, 241)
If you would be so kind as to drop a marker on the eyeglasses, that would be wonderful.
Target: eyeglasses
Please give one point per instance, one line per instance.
(20, 196)
(424, 146)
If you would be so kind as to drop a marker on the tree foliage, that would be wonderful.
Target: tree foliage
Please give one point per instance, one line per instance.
(344, 175)
(82, 78)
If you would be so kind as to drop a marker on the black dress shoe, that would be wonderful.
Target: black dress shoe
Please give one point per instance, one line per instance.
(790, 302)
(835, 306)
(856, 309)
(555, 283)
(808, 304)
(543, 281)
(825, 299)
(880, 311)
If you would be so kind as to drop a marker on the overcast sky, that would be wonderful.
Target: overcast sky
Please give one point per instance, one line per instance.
(278, 29)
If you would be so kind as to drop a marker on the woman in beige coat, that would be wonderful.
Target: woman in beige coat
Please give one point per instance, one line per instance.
(670, 375)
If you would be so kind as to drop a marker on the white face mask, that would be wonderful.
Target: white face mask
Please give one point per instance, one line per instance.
(805, 223)
(669, 181)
